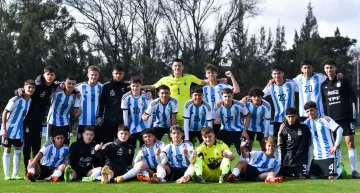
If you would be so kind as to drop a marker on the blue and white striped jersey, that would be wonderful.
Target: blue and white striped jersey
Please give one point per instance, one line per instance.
(322, 136)
(148, 156)
(196, 118)
(177, 159)
(89, 102)
(133, 108)
(162, 113)
(260, 119)
(263, 163)
(213, 94)
(310, 90)
(230, 118)
(61, 105)
(283, 97)
(17, 108)
(53, 156)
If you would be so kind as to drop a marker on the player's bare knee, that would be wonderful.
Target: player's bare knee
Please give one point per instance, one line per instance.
(7, 150)
(61, 167)
(350, 145)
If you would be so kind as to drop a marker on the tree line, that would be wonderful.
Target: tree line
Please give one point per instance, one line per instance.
(145, 35)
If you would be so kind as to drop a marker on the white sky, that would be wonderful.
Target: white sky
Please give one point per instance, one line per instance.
(330, 14)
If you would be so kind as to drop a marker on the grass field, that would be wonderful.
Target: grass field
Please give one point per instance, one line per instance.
(289, 185)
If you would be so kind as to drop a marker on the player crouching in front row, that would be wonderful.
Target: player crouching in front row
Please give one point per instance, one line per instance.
(259, 165)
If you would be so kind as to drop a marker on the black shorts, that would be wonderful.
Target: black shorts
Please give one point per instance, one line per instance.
(325, 167)
(175, 174)
(347, 126)
(118, 171)
(276, 127)
(32, 130)
(251, 174)
(297, 171)
(160, 132)
(7, 142)
(259, 135)
(231, 137)
(65, 129)
(195, 134)
(81, 172)
(135, 136)
(46, 171)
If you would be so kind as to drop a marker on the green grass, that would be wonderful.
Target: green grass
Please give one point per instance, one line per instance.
(289, 185)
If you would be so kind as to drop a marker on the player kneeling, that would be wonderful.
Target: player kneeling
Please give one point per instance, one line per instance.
(52, 155)
(119, 155)
(82, 158)
(259, 165)
(211, 159)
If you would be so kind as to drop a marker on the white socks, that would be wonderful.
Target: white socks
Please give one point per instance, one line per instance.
(31, 170)
(145, 173)
(131, 173)
(16, 161)
(338, 157)
(57, 173)
(190, 171)
(96, 174)
(161, 172)
(236, 172)
(6, 163)
(352, 157)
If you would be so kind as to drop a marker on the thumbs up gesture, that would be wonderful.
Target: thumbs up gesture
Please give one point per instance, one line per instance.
(157, 151)
(98, 146)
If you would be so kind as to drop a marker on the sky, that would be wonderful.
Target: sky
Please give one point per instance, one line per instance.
(330, 14)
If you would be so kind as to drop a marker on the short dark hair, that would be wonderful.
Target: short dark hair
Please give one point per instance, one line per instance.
(123, 127)
(207, 130)
(29, 82)
(89, 128)
(147, 131)
(135, 80)
(58, 132)
(277, 68)
(310, 104)
(177, 60)
(211, 67)
(176, 127)
(49, 69)
(307, 62)
(197, 89)
(329, 61)
(163, 87)
(70, 77)
(227, 91)
(118, 67)
(256, 91)
(291, 111)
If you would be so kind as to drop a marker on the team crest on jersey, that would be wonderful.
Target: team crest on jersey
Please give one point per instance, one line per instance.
(287, 89)
(130, 151)
(219, 91)
(202, 113)
(216, 153)
(338, 84)
(122, 89)
(72, 102)
(112, 93)
(314, 81)
(142, 104)
(261, 114)
(235, 113)
(168, 109)
(98, 91)
(42, 94)
(271, 165)
(185, 83)
(92, 151)
(299, 132)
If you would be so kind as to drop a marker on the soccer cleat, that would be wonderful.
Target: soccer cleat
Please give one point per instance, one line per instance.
(104, 174)
(223, 178)
(273, 180)
(7, 177)
(232, 178)
(156, 180)
(142, 177)
(343, 171)
(67, 174)
(183, 180)
(16, 177)
(198, 178)
(30, 176)
(88, 179)
(355, 174)
(51, 179)
(119, 179)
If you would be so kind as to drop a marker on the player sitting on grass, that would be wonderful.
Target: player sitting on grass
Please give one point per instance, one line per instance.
(81, 157)
(119, 155)
(258, 165)
(148, 160)
(13, 117)
(211, 159)
(52, 155)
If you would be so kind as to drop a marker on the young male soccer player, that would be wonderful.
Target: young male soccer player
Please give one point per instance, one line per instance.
(164, 109)
(260, 119)
(322, 130)
(52, 155)
(293, 143)
(89, 102)
(110, 113)
(62, 102)
(134, 105)
(197, 115)
(119, 155)
(229, 112)
(81, 157)
(148, 161)
(211, 159)
(340, 102)
(12, 129)
(259, 165)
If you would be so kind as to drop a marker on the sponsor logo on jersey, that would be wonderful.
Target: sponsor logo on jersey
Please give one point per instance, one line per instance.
(334, 92)
(112, 93)
(338, 84)
(299, 132)
(120, 151)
